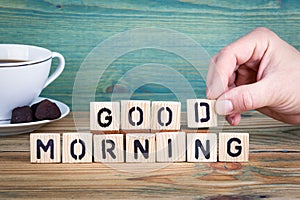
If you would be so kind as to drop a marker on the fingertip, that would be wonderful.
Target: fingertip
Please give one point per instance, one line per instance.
(224, 107)
(234, 120)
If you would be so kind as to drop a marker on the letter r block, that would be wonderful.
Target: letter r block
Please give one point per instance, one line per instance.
(135, 115)
(234, 147)
(201, 113)
(45, 148)
(104, 117)
(77, 147)
(202, 147)
(165, 116)
(108, 148)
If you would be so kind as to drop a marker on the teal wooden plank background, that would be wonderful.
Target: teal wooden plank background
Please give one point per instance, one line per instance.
(75, 27)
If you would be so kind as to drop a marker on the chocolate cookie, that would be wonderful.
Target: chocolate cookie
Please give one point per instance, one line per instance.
(45, 110)
(21, 115)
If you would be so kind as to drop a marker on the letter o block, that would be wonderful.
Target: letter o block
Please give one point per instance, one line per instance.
(165, 116)
(201, 113)
(104, 117)
(234, 147)
(77, 147)
(135, 115)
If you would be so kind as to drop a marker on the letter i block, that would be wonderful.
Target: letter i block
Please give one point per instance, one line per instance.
(135, 115)
(104, 117)
(45, 148)
(202, 147)
(140, 147)
(109, 148)
(201, 113)
(234, 147)
(170, 147)
(165, 115)
(77, 147)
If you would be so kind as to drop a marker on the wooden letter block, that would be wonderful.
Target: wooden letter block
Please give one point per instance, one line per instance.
(77, 147)
(165, 115)
(135, 115)
(109, 148)
(201, 113)
(140, 147)
(170, 147)
(202, 147)
(234, 147)
(45, 148)
(104, 117)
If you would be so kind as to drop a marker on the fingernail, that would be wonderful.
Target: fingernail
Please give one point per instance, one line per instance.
(224, 107)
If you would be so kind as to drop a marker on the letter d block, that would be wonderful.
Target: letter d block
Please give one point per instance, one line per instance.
(165, 115)
(77, 147)
(140, 147)
(201, 113)
(202, 147)
(234, 147)
(45, 148)
(109, 148)
(135, 115)
(104, 117)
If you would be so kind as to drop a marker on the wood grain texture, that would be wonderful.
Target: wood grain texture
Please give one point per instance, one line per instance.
(272, 172)
(74, 28)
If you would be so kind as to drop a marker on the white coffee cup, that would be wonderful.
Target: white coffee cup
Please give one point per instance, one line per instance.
(24, 73)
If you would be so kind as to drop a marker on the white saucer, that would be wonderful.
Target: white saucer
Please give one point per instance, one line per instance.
(13, 129)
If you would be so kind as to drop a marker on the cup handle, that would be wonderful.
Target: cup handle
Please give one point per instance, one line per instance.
(59, 69)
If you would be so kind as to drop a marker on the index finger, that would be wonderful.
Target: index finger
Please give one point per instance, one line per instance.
(250, 48)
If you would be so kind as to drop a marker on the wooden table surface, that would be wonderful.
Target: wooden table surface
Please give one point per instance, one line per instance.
(273, 171)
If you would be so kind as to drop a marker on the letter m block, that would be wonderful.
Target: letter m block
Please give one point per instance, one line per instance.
(104, 117)
(45, 148)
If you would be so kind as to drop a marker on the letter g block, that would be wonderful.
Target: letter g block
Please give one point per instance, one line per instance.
(104, 117)
(234, 147)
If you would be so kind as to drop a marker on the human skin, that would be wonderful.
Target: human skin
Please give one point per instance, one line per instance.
(258, 71)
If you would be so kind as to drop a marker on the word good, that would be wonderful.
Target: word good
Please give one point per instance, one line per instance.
(139, 147)
(145, 115)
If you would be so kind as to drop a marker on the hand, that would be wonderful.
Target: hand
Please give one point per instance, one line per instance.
(258, 71)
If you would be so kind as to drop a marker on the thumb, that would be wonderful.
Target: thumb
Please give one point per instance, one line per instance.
(243, 98)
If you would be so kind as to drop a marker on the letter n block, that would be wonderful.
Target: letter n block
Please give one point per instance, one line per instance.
(171, 147)
(165, 116)
(201, 113)
(135, 115)
(140, 147)
(109, 148)
(234, 147)
(45, 148)
(77, 147)
(104, 117)
(202, 147)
